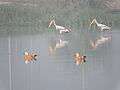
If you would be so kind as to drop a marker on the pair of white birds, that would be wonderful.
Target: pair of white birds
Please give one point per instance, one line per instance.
(66, 30)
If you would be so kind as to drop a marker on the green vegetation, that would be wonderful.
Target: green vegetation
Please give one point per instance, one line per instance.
(27, 18)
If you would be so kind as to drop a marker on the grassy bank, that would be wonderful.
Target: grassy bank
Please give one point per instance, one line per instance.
(26, 18)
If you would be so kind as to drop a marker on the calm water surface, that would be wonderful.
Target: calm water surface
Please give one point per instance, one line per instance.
(58, 71)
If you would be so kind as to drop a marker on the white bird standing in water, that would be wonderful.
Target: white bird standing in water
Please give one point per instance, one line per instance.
(60, 28)
(99, 41)
(101, 26)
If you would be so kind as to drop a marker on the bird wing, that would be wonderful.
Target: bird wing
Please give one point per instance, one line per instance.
(102, 25)
(60, 27)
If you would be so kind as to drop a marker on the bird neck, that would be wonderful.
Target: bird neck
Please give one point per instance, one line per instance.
(96, 21)
(54, 23)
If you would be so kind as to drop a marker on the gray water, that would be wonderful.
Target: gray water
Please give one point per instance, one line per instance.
(23, 26)
(58, 71)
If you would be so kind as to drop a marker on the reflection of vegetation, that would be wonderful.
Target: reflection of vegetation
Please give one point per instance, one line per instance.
(36, 18)
(113, 4)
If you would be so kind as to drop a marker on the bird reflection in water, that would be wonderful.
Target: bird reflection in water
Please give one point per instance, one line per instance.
(99, 41)
(58, 45)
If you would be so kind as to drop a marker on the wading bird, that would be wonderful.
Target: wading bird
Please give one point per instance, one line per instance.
(79, 59)
(99, 41)
(60, 28)
(101, 26)
(29, 57)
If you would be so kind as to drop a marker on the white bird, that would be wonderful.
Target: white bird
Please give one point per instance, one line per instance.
(101, 26)
(60, 28)
(99, 41)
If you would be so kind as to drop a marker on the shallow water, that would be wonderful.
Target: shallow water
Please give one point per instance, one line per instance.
(58, 71)
(24, 27)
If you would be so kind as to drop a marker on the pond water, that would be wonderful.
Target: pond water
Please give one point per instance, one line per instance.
(58, 71)
(23, 28)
